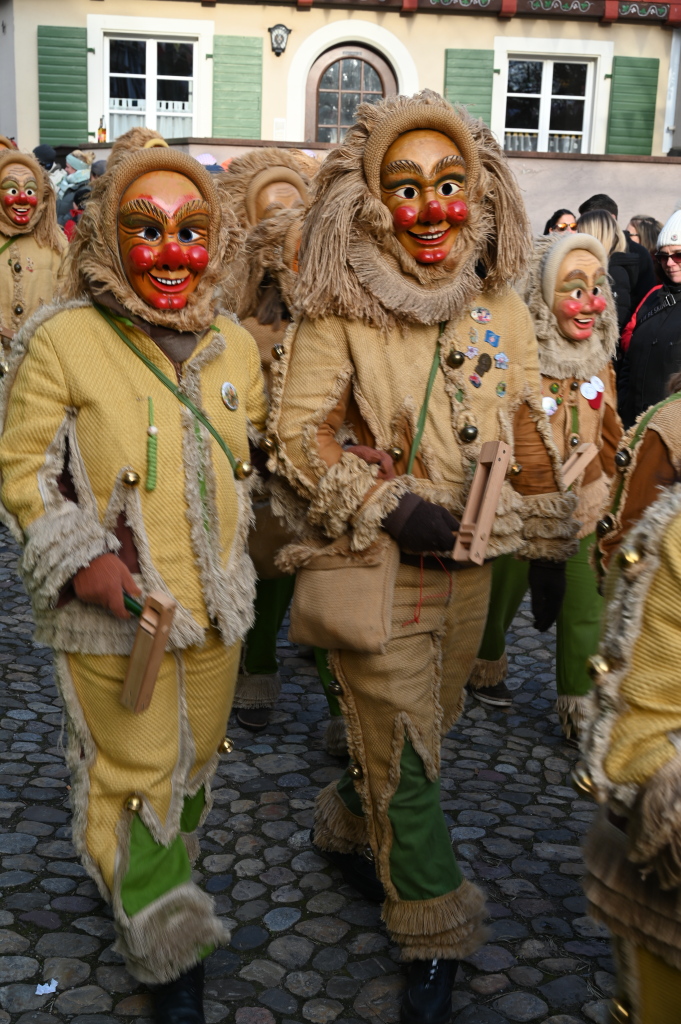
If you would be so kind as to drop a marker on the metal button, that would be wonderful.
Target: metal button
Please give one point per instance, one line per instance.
(133, 803)
(335, 688)
(469, 433)
(130, 478)
(243, 469)
(278, 351)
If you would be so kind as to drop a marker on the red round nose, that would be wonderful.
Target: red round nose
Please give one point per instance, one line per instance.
(171, 256)
(23, 198)
(432, 214)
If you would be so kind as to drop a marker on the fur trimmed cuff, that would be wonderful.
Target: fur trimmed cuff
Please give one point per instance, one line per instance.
(257, 691)
(335, 827)
(549, 526)
(167, 938)
(335, 738)
(654, 831)
(448, 927)
(488, 673)
(58, 544)
(574, 712)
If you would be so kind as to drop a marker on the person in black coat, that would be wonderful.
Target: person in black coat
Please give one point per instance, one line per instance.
(651, 342)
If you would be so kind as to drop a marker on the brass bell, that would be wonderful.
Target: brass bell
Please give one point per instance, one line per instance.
(17, 268)
(629, 556)
(134, 804)
(335, 688)
(515, 469)
(574, 441)
(355, 771)
(468, 433)
(267, 445)
(226, 746)
(619, 1013)
(604, 526)
(597, 666)
(622, 458)
(243, 469)
(130, 478)
(582, 781)
(395, 452)
(455, 359)
(574, 385)
(278, 351)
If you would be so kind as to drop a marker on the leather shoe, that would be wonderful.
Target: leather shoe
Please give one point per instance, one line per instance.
(427, 998)
(181, 1000)
(253, 719)
(357, 870)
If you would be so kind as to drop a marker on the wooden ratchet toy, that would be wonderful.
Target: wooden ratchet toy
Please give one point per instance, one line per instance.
(578, 461)
(156, 618)
(481, 506)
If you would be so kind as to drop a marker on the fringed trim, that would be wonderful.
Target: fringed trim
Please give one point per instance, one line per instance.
(335, 738)
(590, 501)
(191, 845)
(58, 544)
(166, 938)
(447, 927)
(335, 827)
(340, 493)
(79, 628)
(257, 691)
(621, 630)
(574, 713)
(549, 529)
(488, 673)
(654, 826)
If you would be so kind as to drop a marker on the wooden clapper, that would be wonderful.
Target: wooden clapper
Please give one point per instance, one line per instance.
(156, 618)
(481, 506)
(578, 461)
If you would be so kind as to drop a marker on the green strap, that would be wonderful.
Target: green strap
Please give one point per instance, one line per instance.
(638, 433)
(169, 384)
(575, 419)
(421, 424)
(6, 245)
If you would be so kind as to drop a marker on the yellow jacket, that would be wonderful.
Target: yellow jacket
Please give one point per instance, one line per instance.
(77, 405)
(28, 276)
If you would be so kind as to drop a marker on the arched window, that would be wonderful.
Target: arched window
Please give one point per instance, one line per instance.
(338, 82)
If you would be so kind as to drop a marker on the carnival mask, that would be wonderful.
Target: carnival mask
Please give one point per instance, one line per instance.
(18, 194)
(162, 236)
(579, 297)
(276, 196)
(423, 183)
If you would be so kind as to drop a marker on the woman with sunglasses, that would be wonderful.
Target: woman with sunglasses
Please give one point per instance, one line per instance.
(651, 341)
(562, 222)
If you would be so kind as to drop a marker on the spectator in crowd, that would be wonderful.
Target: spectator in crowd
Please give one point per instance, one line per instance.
(561, 222)
(78, 166)
(623, 266)
(98, 168)
(651, 341)
(644, 230)
(646, 274)
(47, 158)
(79, 200)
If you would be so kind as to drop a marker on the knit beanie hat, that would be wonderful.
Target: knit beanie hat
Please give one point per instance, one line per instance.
(78, 165)
(45, 155)
(556, 254)
(671, 232)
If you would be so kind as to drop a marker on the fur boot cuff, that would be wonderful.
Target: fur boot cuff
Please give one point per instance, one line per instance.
(335, 827)
(573, 712)
(448, 927)
(257, 691)
(488, 673)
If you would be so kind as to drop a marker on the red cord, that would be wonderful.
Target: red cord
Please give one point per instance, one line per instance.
(419, 604)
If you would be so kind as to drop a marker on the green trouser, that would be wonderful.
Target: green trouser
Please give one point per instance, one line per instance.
(578, 624)
(422, 861)
(272, 598)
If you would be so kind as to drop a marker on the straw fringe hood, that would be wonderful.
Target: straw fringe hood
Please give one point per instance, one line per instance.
(43, 225)
(559, 357)
(270, 254)
(353, 266)
(93, 264)
(249, 173)
(131, 141)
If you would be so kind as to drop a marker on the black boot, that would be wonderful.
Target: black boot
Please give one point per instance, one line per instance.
(427, 998)
(357, 870)
(180, 1001)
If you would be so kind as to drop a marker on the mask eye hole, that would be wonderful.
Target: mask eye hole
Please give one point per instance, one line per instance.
(577, 293)
(151, 234)
(407, 192)
(596, 291)
(187, 235)
(449, 188)
(12, 191)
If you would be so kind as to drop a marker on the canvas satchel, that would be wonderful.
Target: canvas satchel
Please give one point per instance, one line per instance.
(343, 599)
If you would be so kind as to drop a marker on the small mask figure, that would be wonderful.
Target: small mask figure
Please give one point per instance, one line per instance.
(423, 184)
(18, 194)
(163, 236)
(484, 364)
(579, 296)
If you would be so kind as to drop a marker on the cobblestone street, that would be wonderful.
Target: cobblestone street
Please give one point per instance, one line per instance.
(304, 946)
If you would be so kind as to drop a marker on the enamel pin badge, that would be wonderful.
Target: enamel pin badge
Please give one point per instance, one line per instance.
(230, 396)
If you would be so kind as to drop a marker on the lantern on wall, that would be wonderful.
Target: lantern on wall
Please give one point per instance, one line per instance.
(279, 37)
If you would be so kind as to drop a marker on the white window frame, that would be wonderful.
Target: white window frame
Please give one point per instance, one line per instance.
(102, 26)
(598, 54)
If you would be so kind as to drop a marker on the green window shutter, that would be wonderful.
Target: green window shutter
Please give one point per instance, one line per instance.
(469, 75)
(633, 95)
(62, 85)
(237, 87)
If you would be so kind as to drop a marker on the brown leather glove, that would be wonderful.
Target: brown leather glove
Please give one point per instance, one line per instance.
(374, 456)
(420, 525)
(103, 582)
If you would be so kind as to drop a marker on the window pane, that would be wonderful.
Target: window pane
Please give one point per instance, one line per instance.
(349, 104)
(175, 59)
(567, 115)
(127, 88)
(524, 75)
(372, 83)
(128, 56)
(327, 135)
(175, 91)
(328, 109)
(174, 127)
(123, 122)
(372, 97)
(330, 77)
(522, 113)
(569, 80)
(350, 74)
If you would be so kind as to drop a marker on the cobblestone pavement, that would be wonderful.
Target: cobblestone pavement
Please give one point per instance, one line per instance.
(305, 947)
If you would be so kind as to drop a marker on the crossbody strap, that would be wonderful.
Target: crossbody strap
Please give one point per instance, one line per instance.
(6, 245)
(421, 422)
(638, 434)
(240, 468)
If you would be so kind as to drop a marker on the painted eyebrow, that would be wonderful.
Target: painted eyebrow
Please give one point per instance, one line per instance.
(404, 165)
(449, 161)
(145, 207)
(579, 274)
(193, 206)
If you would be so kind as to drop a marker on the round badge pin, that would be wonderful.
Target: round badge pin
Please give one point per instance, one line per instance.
(230, 396)
(481, 315)
(549, 405)
(598, 383)
(588, 390)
